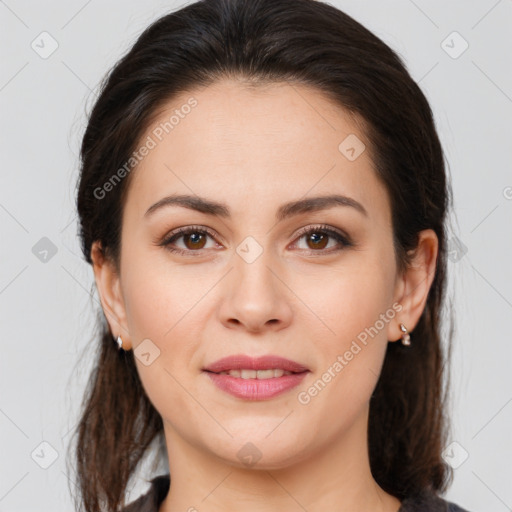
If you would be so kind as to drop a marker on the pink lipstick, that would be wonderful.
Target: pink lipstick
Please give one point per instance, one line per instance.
(258, 378)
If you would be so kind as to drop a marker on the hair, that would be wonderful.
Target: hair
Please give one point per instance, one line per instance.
(260, 42)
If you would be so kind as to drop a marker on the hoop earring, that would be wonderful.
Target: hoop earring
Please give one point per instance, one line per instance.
(119, 343)
(406, 338)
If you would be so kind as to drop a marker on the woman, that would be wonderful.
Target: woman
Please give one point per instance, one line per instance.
(263, 200)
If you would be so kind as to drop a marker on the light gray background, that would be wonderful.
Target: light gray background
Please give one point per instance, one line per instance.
(47, 312)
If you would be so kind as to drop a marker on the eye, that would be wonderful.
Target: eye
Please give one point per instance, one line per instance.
(317, 238)
(195, 239)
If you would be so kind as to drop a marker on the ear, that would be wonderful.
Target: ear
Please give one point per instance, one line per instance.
(109, 290)
(412, 287)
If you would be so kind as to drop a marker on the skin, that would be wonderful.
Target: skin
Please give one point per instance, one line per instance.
(255, 150)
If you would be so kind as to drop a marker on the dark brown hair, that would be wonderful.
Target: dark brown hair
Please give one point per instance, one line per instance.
(263, 42)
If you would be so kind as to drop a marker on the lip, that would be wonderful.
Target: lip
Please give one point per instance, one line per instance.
(242, 361)
(255, 389)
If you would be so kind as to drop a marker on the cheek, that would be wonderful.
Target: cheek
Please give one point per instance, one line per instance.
(159, 296)
(355, 309)
(163, 304)
(166, 303)
(348, 301)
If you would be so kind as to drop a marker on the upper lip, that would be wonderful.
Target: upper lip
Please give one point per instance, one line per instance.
(242, 361)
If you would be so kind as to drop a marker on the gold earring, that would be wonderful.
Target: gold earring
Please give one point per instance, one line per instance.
(406, 338)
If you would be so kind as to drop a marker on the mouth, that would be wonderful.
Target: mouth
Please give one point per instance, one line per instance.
(260, 378)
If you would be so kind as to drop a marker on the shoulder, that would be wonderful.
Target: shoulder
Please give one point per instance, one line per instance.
(428, 501)
(151, 500)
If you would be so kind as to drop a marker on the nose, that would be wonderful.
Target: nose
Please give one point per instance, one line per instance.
(256, 298)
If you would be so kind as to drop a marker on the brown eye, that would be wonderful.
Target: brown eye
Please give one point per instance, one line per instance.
(195, 239)
(317, 239)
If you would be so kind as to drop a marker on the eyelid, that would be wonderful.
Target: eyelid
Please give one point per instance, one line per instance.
(321, 227)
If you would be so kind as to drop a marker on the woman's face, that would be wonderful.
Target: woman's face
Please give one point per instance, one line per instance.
(246, 281)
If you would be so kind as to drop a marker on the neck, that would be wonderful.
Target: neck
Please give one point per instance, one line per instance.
(337, 478)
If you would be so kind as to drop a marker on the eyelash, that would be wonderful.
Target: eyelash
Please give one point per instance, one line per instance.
(322, 228)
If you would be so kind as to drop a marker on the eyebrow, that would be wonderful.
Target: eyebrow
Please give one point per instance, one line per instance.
(214, 208)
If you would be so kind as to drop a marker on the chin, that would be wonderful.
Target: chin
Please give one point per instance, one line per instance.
(261, 451)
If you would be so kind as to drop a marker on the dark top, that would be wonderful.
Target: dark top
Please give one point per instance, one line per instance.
(425, 502)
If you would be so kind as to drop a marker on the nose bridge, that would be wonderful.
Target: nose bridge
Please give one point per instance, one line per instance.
(256, 297)
(252, 263)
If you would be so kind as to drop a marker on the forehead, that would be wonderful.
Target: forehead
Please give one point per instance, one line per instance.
(252, 145)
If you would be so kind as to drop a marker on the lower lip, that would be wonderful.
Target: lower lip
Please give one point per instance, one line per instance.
(256, 389)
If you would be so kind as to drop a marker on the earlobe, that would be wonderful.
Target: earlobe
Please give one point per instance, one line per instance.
(109, 291)
(415, 283)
